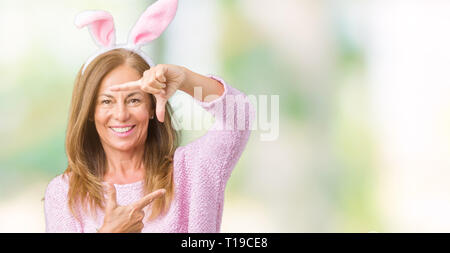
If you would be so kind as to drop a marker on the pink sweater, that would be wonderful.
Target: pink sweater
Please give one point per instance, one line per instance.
(201, 171)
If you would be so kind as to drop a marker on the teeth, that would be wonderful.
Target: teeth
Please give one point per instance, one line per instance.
(121, 130)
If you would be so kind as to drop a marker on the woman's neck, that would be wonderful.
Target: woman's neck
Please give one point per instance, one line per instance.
(124, 167)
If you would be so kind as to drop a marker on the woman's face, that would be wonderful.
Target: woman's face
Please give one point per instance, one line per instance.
(121, 117)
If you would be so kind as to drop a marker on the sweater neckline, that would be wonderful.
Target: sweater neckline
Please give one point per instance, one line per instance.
(133, 185)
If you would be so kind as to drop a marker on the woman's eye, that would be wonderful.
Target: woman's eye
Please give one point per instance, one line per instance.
(106, 102)
(134, 100)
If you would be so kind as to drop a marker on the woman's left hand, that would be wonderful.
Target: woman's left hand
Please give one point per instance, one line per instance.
(161, 80)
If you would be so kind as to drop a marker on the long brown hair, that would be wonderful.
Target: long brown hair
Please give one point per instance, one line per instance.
(86, 157)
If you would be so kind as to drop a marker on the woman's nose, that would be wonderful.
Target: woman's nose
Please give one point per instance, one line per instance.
(121, 113)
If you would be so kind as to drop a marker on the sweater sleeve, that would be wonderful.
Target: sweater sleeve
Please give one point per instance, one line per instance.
(210, 159)
(58, 218)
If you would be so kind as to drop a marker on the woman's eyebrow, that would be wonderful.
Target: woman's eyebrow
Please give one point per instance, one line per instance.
(134, 93)
(129, 95)
(106, 95)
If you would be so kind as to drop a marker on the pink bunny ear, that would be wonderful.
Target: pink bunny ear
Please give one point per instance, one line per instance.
(100, 24)
(153, 22)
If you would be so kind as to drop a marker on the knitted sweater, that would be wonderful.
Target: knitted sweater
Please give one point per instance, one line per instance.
(201, 171)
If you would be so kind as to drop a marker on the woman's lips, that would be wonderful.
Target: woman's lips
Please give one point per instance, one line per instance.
(122, 131)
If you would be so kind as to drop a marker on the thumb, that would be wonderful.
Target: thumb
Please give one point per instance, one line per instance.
(112, 199)
(160, 108)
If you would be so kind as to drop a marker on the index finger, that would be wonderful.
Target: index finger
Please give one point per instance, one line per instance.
(140, 204)
(126, 86)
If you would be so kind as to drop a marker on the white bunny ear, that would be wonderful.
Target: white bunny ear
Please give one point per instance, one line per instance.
(101, 26)
(153, 22)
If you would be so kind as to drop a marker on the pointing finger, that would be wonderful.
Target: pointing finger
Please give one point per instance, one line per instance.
(140, 204)
(152, 90)
(126, 86)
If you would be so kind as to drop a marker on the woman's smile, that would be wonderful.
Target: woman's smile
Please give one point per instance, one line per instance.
(122, 131)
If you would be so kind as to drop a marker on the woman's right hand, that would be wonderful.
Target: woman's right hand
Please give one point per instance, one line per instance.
(126, 219)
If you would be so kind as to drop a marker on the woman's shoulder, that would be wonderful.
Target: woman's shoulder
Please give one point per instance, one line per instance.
(179, 161)
(58, 184)
(178, 154)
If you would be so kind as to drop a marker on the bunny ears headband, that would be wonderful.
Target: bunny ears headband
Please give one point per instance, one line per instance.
(149, 27)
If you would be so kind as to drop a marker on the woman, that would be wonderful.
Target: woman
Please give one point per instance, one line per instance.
(126, 172)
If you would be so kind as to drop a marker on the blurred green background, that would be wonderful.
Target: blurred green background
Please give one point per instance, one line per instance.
(363, 140)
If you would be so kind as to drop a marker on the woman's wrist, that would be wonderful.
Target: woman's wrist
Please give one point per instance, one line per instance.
(186, 84)
(208, 85)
